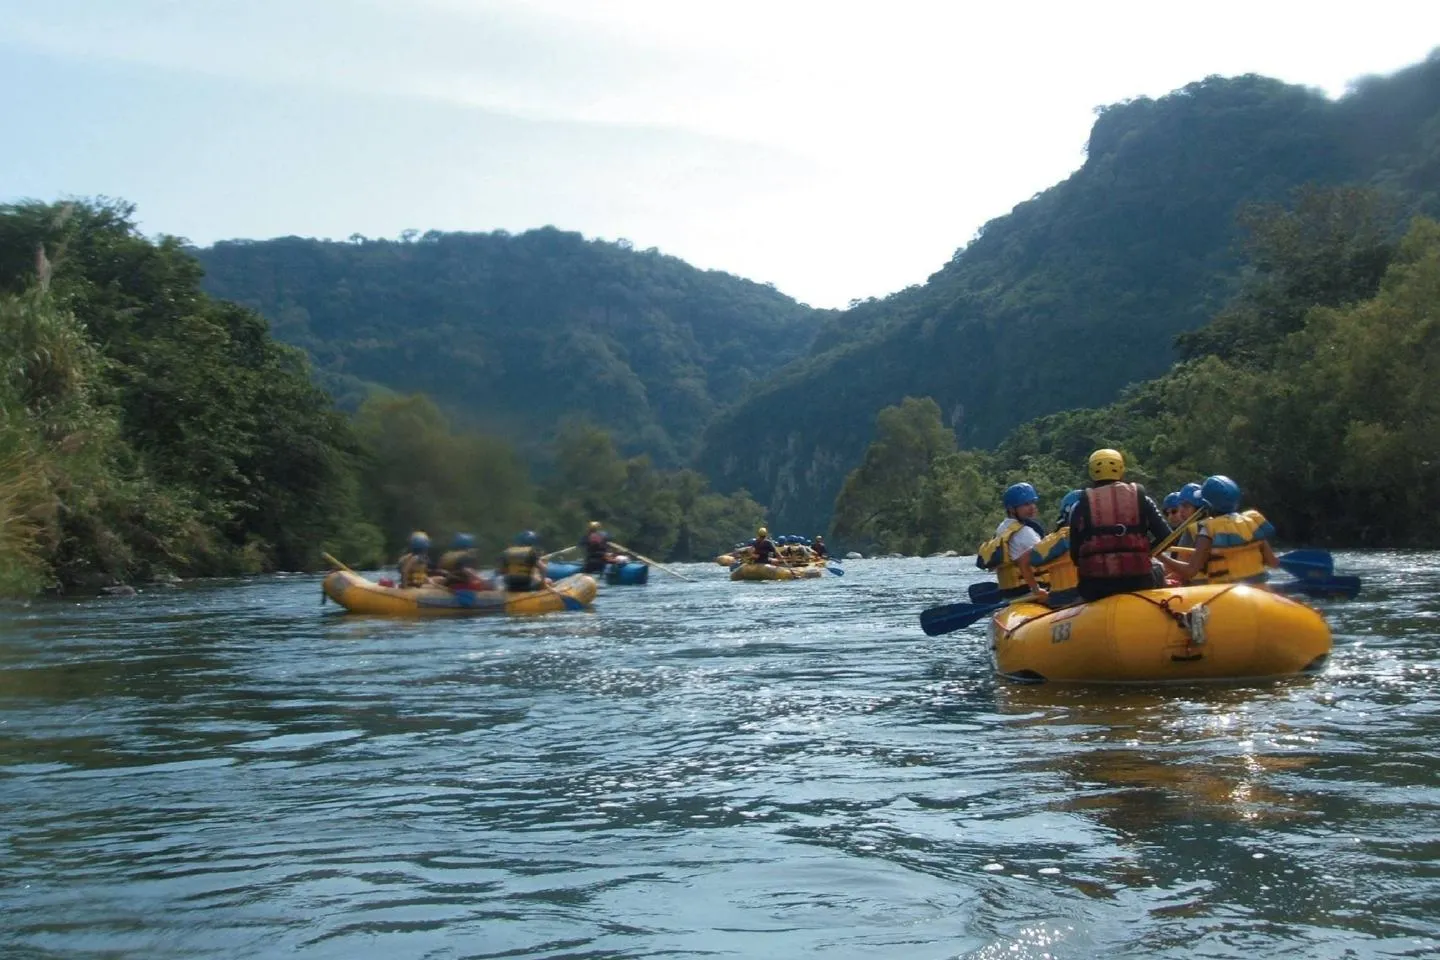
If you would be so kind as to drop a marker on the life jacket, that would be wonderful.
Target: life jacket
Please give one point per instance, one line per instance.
(994, 554)
(454, 561)
(820, 551)
(1115, 544)
(414, 570)
(1235, 551)
(595, 545)
(519, 563)
(457, 565)
(762, 550)
(1050, 562)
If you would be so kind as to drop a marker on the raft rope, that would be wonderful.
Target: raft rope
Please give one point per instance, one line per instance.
(1192, 621)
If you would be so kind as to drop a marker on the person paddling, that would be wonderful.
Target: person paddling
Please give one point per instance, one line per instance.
(595, 548)
(521, 566)
(763, 549)
(1170, 507)
(1014, 537)
(460, 565)
(1190, 501)
(414, 564)
(1046, 567)
(1230, 546)
(1112, 528)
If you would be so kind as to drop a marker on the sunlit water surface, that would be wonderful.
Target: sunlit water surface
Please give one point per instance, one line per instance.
(699, 769)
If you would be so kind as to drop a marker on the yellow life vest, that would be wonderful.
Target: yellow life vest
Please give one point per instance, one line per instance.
(1235, 551)
(1050, 562)
(414, 570)
(453, 561)
(519, 563)
(994, 554)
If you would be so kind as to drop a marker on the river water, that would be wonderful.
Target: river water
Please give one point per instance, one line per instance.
(699, 769)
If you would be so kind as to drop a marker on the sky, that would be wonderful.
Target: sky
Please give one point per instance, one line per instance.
(837, 150)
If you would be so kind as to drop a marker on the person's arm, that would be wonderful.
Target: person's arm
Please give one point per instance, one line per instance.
(1268, 553)
(1185, 570)
(1079, 522)
(1027, 570)
(1154, 522)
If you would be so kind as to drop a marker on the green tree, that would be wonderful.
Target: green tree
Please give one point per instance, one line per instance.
(420, 474)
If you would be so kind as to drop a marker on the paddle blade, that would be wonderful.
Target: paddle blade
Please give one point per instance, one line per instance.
(954, 616)
(1342, 587)
(1308, 564)
(986, 591)
(836, 570)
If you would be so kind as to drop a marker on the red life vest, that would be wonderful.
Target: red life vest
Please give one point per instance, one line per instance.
(1117, 545)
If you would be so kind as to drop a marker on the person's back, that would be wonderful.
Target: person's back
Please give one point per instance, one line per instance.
(520, 564)
(1111, 531)
(459, 564)
(1047, 567)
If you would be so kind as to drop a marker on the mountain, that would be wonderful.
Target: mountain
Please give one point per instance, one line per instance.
(514, 333)
(1082, 289)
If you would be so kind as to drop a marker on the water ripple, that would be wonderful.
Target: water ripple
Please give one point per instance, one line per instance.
(709, 769)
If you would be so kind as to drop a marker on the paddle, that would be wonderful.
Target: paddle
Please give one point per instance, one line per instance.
(1308, 564)
(567, 601)
(334, 563)
(956, 616)
(557, 553)
(1339, 587)
(637, 554)
(984, 592)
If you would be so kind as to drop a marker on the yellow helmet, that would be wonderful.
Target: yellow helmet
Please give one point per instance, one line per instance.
(1106, 464)
(762, 532)
(594, 525)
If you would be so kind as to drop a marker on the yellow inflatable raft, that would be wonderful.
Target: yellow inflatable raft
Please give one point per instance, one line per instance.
(726, 559)
(1179, 634)
(764, 571)
(358, 595)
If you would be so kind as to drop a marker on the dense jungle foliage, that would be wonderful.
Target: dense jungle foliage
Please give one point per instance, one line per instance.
(147, 429)
(517, 332)
(1315, 389)
(1081, 290)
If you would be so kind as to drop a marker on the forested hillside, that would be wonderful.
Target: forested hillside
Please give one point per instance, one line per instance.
(1082, 289)
(516, 332)
(149, 430)
(1314, 388)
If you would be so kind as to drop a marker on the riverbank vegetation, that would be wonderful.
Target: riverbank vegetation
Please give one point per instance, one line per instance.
(147, 429)
(1314, 388)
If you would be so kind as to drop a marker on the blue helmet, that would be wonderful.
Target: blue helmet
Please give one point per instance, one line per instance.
(527, 538)
(1190, 494)
(1019, 494)
(1221, 494)
(462, 541)
(1067, 504)
(419, 542)
(1172, 501)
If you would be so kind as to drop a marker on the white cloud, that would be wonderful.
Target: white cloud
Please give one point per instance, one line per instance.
(837, 150)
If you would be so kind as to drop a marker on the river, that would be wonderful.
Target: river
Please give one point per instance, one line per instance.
(231, 770)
